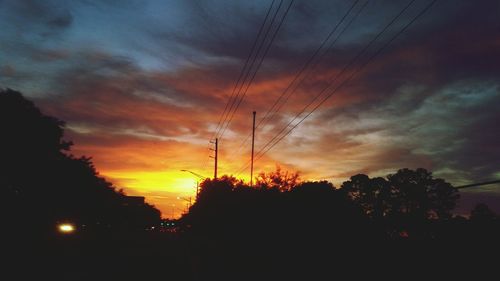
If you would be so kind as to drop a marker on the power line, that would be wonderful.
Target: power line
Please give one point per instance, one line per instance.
(219, 134)
(259, 65)
(310, 60)
(423, 11)
(333, 79)
(217, 129)
(352, 75)
(247, 71)
(244, 66)
(317, 63)
(477, 184)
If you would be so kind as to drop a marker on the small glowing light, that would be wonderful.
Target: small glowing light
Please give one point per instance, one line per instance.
(66, 228)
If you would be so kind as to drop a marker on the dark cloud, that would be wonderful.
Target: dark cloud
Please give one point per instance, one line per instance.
(46, 16)
(63, 20)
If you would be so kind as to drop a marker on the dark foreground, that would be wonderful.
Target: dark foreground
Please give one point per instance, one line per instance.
(170, 256)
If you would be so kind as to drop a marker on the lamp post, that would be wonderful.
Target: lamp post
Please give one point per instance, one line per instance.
(196, 174)
(199, 176)
(188, 200)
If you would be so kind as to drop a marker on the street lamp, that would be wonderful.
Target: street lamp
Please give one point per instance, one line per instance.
(196, 174)
(199, 176)
(187, 200)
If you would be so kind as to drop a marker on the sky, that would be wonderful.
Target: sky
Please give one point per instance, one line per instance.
(142, 86)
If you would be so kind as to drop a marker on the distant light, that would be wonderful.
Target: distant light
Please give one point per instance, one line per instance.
(66, 228)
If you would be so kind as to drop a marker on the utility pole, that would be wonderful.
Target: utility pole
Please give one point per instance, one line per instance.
(216, 152)
(253, 144)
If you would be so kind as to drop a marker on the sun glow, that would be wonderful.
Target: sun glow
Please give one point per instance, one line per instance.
(170, 181)
(161, 188)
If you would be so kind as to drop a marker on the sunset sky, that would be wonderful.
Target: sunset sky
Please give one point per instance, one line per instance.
(143, 84)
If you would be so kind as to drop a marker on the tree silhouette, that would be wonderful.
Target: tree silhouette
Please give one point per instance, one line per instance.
(419, 195)
(43, 184)
(403, 202)
(485, 224)
(278, 180)
(410, 193)
(482, 213)
(374, 195)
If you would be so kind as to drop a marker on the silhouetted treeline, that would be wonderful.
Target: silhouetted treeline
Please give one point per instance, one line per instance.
(308, 227)
(407, 205)
(229, 208)
(42, 184)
